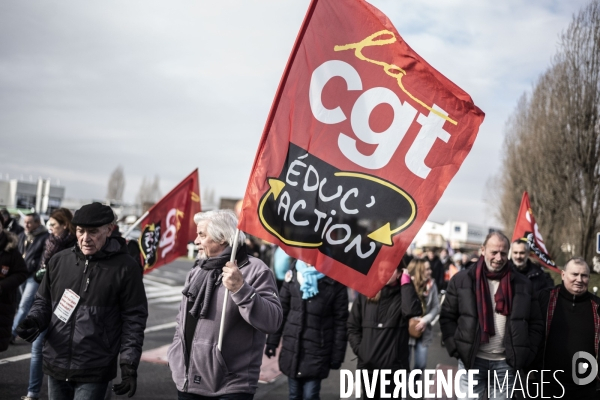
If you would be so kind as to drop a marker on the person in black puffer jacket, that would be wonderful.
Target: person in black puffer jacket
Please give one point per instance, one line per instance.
(315, 311)
(13, 272)
(490, 320)
(521, 263)
(378, 326)
(62, 236)
(102, 314)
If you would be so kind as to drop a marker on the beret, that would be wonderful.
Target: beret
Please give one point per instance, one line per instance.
(93, 215)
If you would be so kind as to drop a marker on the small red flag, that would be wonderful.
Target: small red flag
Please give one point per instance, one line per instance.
(526, 228)
(362, 140)
(169, 225)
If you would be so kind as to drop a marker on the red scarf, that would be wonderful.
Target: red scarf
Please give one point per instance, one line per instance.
(503, 297)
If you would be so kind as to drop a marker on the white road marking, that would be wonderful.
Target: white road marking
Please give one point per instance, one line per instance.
(28, 355)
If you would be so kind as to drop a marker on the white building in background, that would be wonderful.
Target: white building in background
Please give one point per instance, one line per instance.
(460, 235)
(41, 196)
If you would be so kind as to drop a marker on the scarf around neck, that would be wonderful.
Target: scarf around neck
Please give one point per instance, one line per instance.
(310, 286)
(200, 288)
(503, 297)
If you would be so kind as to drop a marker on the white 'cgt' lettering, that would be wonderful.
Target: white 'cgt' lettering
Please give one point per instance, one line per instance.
(387, 141)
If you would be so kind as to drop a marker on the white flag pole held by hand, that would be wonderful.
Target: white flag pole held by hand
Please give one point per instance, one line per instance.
(226, 296)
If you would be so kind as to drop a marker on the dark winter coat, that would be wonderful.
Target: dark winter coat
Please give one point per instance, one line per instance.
(540, 280)
(109, 319)
(378, 330)
(252, 312)
(13, 226)
(437, 272)
(34, 250)
(313, 330)
(13, 272)
(544, 298)
(460, 324)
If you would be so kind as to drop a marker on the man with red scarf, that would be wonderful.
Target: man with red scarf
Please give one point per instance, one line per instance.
(490, 321)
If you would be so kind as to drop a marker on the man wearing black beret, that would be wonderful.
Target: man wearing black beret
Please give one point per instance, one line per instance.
(100, 312)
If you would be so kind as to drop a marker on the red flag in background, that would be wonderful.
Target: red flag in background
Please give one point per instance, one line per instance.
(527, 228)
(362, 140)
(169, 225)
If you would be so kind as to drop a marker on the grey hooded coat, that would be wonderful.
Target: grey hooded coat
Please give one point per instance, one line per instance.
(252, 312)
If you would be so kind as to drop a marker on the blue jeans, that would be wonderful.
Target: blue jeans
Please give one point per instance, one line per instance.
(304, 389)
(66, 390)
(420, 354)
(500, 389)
(36, 375)
(229, 396)
(28, 289)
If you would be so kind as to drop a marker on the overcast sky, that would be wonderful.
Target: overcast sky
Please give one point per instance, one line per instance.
(164, 87)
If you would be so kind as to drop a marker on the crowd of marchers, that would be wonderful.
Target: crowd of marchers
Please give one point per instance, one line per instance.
(73, 289)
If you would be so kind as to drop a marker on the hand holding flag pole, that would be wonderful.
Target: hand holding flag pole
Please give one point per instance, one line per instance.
(226, 296)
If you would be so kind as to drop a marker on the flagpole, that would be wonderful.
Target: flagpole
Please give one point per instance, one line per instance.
(136, 223)
(232, 259)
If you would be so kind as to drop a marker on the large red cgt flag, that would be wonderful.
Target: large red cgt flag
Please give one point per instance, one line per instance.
(362, 140)
(169, 225)
(526, 228)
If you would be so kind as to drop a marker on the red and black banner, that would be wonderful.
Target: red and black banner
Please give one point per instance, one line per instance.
(362, 140)
(526, 228)
(169, 225)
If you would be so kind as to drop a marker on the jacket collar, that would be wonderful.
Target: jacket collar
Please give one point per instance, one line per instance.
(8, 241)
(113, 246)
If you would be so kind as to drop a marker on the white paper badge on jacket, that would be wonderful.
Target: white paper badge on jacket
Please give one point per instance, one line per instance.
(66, 305)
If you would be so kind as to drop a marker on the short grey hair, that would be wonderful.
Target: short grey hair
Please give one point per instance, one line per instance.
(578, 261)
(221, 226)
(523, 242)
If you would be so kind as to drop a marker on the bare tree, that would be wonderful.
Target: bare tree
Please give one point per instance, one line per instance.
(149, 192)
(552, 145)
(116, 184)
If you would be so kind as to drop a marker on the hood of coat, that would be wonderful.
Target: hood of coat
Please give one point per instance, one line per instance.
(8, 241)
(39, 230)
(112, 247)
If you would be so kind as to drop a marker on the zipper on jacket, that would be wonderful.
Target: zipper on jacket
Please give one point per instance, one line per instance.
(73, 317)
(508, 337)
(187, 364)
(87, 283)
(475, 348)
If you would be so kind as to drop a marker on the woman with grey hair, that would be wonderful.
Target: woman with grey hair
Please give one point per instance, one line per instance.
(199, 368)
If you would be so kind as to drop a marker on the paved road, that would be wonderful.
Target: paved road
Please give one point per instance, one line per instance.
(163, 288)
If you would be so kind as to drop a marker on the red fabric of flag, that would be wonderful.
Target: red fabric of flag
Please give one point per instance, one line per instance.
(526, 228)
(362, 140)
(169, 225)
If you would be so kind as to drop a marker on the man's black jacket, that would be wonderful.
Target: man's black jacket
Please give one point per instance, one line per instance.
(108, 321)
(460, 323)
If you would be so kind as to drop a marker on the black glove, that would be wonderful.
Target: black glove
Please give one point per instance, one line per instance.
(270, 350)
(128, 381)
(28, 330)
(335, 365)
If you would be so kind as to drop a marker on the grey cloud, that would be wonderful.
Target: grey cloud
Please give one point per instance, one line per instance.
(165, 87)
